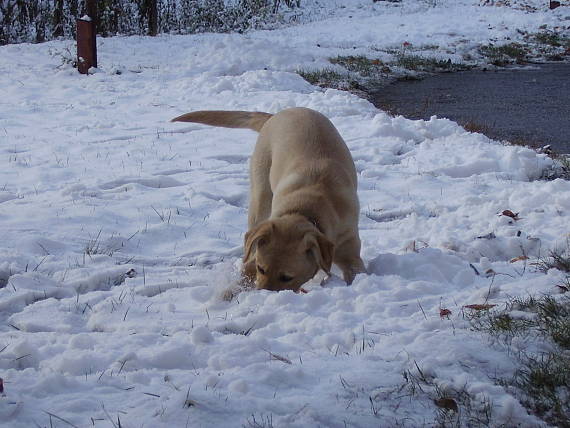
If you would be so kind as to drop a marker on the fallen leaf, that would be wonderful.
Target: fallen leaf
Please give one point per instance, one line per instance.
(490, 272)
(518, 259)
(480, 307)
(444, 313)
(302, 290)
(447, 403)
(509, 213)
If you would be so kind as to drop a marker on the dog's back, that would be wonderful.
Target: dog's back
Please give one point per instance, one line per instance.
(306, 138)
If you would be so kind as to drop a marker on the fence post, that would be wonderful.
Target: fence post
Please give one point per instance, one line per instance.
(86, 45)
(87, 39)
(91, 6)
(554, 4)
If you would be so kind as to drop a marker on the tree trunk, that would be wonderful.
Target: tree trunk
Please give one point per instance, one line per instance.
(152, 18)
(58, 19)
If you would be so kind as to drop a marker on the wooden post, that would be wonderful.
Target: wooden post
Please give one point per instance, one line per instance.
(87, 39)
(554, 4)
(86, 45)
(91, 6)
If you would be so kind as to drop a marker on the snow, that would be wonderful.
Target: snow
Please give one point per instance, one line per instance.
(120, 230)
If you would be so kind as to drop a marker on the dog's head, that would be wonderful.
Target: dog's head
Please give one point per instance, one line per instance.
(287, 252)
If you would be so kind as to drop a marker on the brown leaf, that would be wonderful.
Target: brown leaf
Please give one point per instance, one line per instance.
(480, 307)
(444, 312)
(302, 291)
(509, 213)
(518, 259)
(447, 403)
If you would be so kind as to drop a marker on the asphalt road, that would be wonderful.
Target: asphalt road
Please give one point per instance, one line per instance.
(528, 106)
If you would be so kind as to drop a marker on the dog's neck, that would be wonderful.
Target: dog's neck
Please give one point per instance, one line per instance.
(310, 217)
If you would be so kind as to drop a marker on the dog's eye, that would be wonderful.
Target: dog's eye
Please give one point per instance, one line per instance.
(285, 278)
(260, 270)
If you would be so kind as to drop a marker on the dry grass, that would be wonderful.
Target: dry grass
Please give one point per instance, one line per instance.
(477, 127)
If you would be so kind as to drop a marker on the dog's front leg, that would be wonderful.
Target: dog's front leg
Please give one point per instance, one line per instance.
(350, 271)
(347, 258)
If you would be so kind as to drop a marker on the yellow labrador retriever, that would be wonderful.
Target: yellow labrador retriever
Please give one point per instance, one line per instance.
(303, 210)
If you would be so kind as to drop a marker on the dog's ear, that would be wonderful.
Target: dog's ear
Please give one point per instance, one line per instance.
(255, 238)
(319, 246)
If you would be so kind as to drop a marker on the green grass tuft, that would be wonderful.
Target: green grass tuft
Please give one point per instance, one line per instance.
(505, 54)
(542, 379)
(325, 77)
(421, 63)
(543, 384)
(360, 64)
(551, 38)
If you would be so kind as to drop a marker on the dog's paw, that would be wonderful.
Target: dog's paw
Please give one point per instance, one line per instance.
(229, 293)
(331, 279)
(326, 280)
(232, 291)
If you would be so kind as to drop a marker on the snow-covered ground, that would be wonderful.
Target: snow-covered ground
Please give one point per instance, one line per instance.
(119, 230)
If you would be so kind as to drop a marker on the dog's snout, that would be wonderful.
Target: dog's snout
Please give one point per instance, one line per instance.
(268, 285)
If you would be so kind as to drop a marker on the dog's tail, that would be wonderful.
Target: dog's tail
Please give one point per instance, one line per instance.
(226, 119)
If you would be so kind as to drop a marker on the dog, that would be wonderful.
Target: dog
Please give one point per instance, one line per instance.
(303, 210)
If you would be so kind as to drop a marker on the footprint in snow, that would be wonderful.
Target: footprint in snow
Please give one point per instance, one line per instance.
(7, 196)
(238, 200)
(233, 159)
(157, 182)
(381, 216)
(172, 172)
